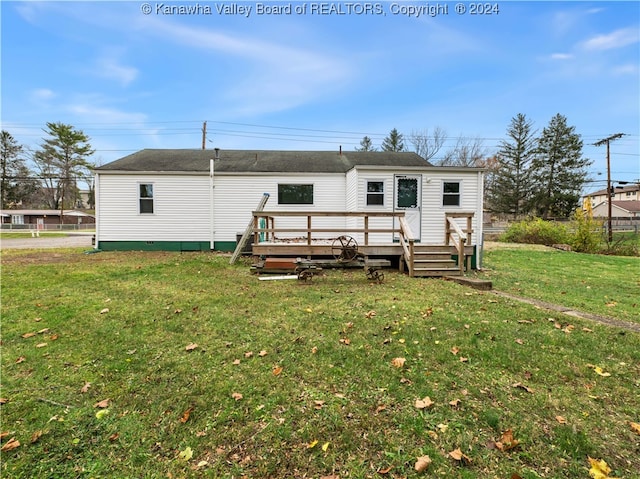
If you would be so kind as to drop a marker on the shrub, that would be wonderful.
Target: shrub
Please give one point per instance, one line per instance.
(536, 231)
(586, 238)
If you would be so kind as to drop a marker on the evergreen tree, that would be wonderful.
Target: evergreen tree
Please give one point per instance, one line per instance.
(510, 189)
(558, 170)
(62, 160)
(16, 184)
(366, 145)
(393, 142)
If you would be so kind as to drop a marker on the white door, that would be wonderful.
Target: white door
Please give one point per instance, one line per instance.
(407, 197)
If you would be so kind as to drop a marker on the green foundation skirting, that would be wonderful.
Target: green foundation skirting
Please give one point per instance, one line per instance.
(165, 245)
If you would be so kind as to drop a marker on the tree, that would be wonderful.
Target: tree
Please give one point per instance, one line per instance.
(558, 170)
(510, 189)
(366, 145)
(393, 142)
(427, 145)
(16, 183)
(62, 160)
(467, 152)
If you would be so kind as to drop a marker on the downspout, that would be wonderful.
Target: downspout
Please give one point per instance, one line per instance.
(212, 203)
(480, 222)
(96, 201)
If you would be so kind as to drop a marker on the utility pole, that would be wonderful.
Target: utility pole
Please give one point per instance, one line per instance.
(204, 135)
(609, 188)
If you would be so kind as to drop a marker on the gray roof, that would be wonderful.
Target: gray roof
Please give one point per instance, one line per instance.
(263, 161)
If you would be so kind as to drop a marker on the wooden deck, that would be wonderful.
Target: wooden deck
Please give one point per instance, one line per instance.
(309, 241)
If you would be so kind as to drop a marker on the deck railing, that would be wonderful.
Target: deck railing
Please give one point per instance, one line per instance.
(266, 230)
(454, 234)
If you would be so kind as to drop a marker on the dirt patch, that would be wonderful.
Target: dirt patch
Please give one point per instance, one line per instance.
(493, 245)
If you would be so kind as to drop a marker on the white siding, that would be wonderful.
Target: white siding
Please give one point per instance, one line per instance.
(181, 208)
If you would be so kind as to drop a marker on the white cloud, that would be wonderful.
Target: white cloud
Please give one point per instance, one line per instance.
(561, 56)
(42, 94)
(110, 68)
(628, 69)
(616, 39)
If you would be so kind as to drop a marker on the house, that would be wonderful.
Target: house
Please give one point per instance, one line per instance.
(619, 209)
(45, 219)
(620, 193)
(186, 199)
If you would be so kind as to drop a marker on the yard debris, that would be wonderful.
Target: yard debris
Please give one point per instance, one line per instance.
(422, 463)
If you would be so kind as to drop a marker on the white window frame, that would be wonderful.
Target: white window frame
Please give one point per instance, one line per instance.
(141, 198)
(451, 195)
(380, 194)
(313, 194)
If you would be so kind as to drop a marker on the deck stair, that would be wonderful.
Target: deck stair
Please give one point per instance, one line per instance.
(429, 260)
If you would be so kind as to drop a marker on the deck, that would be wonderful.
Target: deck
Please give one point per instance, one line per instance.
(311, 235)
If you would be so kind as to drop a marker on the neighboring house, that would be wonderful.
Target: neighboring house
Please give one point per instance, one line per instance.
(183, 199)
(620, 193)
(619, 209)
(43, 219)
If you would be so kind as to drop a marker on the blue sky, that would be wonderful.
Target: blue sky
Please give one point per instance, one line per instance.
(317, 81)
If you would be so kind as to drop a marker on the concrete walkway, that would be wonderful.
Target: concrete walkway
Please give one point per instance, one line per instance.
(73, 240)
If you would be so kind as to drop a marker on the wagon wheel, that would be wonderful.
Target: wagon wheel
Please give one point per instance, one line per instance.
(305, 275)
(344, 249)
(375, 275)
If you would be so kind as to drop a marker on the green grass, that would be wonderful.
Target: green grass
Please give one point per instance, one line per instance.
(599, 284)
(27, 234)
(337, 385)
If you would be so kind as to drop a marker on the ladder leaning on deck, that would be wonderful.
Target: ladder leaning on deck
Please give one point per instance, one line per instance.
(248, 232)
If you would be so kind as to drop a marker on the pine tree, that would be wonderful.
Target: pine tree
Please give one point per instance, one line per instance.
(62, 160)
(510, 190)
(366, 145)
(16, 185)
(393, 142)
(558, 170)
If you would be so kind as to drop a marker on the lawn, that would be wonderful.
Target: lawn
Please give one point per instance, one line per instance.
(599, 284)
(161, 365)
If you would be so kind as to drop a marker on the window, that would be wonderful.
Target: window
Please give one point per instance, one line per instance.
(451, 194)
(146, 198)
(407, 194)
(17, 219)
(375, 193)
(295, 194)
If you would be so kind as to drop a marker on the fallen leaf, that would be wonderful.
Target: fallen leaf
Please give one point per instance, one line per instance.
(424, 403)
(236, 362)
(312, 444)
(599, 469)
(190, 346)
(380, 408)
(464, 360)
(186, 454)
(587, 330)
(561, 420)
(53, 337)
(422, 463)
(433, 435)
(519, 341)
(635, 427)
(455, 403)
(459, 456)
(3, 400)
(236, 396)
(314, 350)
(248, 354)
(318, 403)
(427, 312)
(41, 345)
(186, 414)
(515, 475)
(398, 362)
(325, 446)
(599, 371)
(104, 311)
(442, 427)
(201, 464)
(36, 436)
(102, 404)
(455, 350)
(177, 311)
(276, 371)
(3, 435)
(85, 388)
(114, 437)
(21, 359)
(386, 470)
(28, 335)
(345, 341)
(102, 413)
(523, 387)
(262, 353)
(507, 441)
(10, 445)
(370, 314)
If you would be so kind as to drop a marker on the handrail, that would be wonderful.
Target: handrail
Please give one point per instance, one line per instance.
(461, 240)
(407, 242)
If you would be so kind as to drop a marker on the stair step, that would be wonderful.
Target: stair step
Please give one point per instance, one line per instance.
(436, 272)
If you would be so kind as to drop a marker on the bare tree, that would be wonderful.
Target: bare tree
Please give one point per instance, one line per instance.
(466, 152)
(427, 145)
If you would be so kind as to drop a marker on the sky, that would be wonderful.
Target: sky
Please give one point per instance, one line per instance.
(320, 75)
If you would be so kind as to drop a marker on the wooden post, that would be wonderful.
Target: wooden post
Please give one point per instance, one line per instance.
(309, 230)
(366, 230)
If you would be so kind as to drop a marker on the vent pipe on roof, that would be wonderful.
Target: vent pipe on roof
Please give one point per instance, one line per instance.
(217, 150)
(340, 150)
